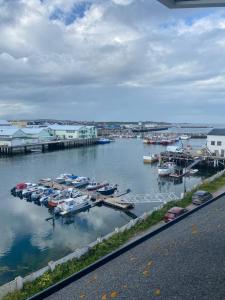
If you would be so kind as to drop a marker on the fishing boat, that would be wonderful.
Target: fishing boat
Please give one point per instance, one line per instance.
(107, 190)
(150, 158)
(72, 205)
(166, 169)
(93, 186)
(81, 182)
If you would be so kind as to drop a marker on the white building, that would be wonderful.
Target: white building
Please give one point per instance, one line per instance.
(216, 142)
(192, 3)
(73, 131)
(37, 134)
(4, 123)
(11, 136)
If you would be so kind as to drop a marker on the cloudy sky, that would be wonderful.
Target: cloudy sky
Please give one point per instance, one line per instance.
(111, 60)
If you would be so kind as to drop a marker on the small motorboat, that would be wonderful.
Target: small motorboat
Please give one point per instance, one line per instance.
(81, 182)
(150, 158)
(72, 205)
(104, 141)
(185, 137)
(107, 190)
(93, 186)
(166, 169)
(193, 171)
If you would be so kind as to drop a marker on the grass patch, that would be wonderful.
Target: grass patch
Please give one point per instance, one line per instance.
(104, 248)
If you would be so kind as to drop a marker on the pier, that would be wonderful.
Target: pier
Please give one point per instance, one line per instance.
(46, 146)
(112, 201)
(190, 158)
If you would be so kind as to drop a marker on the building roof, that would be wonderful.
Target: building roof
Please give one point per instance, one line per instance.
(4, 123)
(65, 127)
(33, 130)
(9, 131)
(217, 131)
(192, 3)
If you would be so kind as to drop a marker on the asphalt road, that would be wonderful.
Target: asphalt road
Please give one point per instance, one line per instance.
(186, 261)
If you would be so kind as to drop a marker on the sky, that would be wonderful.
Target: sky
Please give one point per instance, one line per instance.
(111, 60)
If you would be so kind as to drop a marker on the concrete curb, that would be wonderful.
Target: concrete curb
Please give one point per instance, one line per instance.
(58, 286)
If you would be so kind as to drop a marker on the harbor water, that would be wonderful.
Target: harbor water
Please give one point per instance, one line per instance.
(29, 241)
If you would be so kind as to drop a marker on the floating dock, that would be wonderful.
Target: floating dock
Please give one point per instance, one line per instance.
(113, 201)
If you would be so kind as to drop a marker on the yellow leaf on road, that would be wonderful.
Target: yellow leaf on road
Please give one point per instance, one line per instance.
(157, 292)
(114, 294)
(104, 297)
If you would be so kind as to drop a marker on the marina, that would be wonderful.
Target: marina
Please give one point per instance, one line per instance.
(31, 233)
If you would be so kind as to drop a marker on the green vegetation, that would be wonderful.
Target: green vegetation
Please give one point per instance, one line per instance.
(107, 246)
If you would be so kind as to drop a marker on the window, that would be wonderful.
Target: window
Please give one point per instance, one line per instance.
(219, 143)
(213, 143)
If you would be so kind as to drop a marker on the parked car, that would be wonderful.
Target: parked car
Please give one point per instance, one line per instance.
(173, 213)
(200, 197)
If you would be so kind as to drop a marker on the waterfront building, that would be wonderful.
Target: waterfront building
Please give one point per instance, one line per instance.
(19, 123)
(216, 142)
(192, 3)
(4, 123)
(37, 134)
(11, 136)
(73, 131)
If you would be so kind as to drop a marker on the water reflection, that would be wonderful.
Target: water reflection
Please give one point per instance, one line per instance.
(29, 239)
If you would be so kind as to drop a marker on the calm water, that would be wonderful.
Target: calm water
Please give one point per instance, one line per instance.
(29, 242)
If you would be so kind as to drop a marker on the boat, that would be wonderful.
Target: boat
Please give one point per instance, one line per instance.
(193, 171)
(72, 205)
(104, 141)
(55, 202)
(166, 169)
(150, 158)
(81, 182)
(93, 186)
(60, 180)
(185, 137)
(107, 190)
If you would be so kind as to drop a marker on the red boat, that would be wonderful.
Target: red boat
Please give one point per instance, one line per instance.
(21, 186)
(54, 203)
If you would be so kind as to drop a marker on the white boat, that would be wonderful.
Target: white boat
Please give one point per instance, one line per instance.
(193, 171)
(60, 179)
(166, 169)
(185, 137)
(150, 158)
(72, 205)
(81, 182)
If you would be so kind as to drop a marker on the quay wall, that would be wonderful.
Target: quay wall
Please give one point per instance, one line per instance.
(18, 282)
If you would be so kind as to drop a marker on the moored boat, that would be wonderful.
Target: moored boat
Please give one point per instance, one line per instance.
(166, 169)
(103, 141)
(93, 186)
(107, 190)
(150, 158)
(81, 182)
(72, 205)
(185, 137)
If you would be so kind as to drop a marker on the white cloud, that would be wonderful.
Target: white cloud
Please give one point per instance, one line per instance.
(108, 47)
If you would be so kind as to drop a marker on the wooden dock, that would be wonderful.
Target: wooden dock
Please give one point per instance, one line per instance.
(117, 202)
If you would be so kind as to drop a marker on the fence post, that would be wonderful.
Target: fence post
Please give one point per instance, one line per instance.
(51, 265)
(19, 283)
